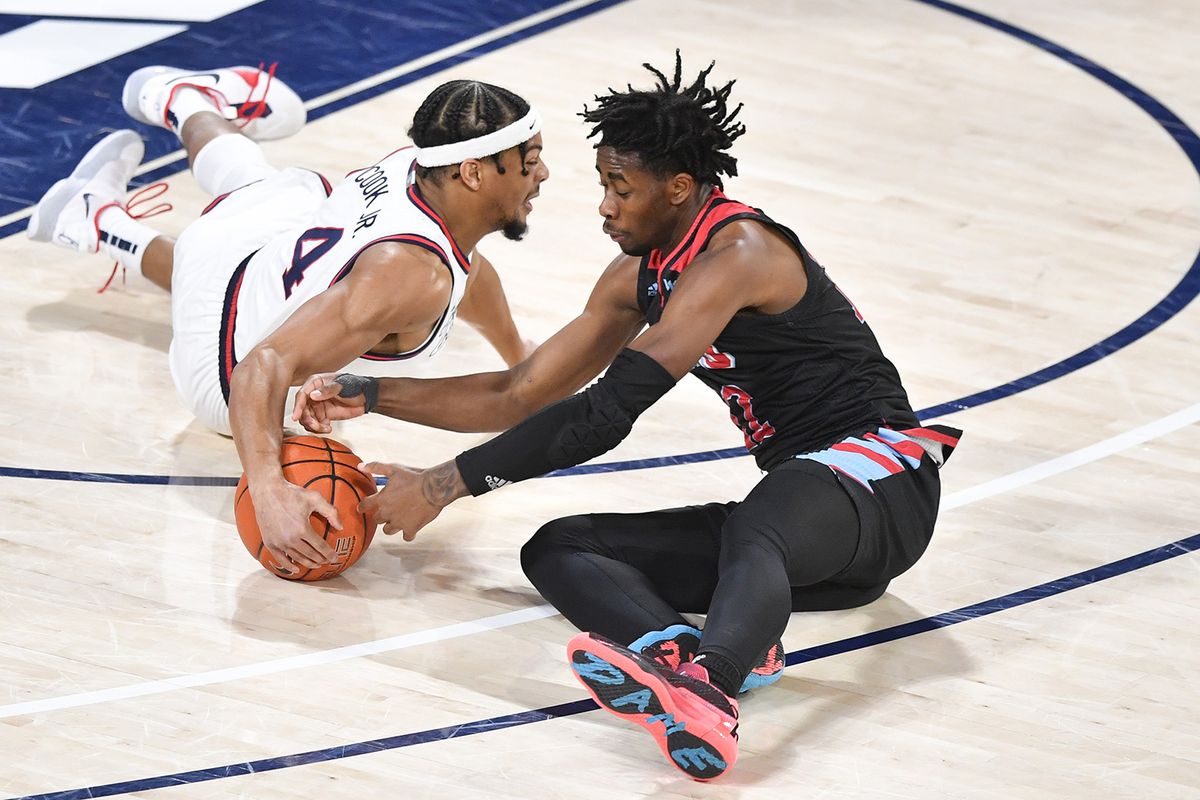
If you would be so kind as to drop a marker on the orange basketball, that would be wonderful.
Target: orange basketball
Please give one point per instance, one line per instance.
(328, 467)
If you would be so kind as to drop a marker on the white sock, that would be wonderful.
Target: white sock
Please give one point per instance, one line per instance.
(188, 101)
(230, 162)
(124, 238)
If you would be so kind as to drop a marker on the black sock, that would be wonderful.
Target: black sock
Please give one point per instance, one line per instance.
(722, 672)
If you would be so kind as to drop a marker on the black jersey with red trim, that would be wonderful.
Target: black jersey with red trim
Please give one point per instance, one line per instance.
(794, 382)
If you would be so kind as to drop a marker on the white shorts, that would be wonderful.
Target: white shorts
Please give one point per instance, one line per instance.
(207, 254)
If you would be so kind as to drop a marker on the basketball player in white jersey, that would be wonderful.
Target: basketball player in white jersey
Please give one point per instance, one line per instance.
(284, 275)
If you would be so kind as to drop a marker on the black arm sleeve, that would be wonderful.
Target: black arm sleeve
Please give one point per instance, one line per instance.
(570, 431)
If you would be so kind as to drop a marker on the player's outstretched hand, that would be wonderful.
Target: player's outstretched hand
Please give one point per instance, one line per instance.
(283, 510)
(401, 505)
(318, 403)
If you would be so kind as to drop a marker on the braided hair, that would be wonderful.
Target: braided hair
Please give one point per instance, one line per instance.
(671, 128)
(460, 110)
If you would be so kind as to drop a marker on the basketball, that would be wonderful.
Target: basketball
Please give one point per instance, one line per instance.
(330, 468)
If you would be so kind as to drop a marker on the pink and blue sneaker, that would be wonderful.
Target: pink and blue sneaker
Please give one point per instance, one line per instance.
(694, 723)
(678, 645)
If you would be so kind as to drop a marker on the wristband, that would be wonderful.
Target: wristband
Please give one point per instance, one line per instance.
(354, 385)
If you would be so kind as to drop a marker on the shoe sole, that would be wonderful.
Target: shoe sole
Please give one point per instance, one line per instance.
(628, 685)
(47, 210)
(757, 681)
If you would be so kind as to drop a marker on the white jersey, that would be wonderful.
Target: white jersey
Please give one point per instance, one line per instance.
(260, 252)
(377, 204)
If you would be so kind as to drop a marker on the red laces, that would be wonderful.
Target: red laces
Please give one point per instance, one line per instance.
(134, 207)
(248, 114)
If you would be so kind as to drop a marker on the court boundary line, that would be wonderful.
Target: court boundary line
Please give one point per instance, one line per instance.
(974, 611)
(1157, 316)
(991, 488)
(1163, 311)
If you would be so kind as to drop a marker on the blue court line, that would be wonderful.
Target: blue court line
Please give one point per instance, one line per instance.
(860, 642)
(1183, 293)
(1175, 301)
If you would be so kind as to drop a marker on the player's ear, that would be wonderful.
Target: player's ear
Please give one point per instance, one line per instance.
(470, 172)
(679, 188)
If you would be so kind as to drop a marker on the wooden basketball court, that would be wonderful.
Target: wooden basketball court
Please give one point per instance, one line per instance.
(1008, 191)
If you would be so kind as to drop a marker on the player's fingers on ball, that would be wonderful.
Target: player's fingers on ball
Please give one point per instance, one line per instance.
(326, 510)
(390, 528)
(315, 551)
(374, 468)
(301, 559)
(282, 559)
(370, 507)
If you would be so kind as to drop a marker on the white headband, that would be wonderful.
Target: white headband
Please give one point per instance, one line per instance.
(489, 144)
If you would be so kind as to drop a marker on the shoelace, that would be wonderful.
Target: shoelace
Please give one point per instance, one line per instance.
(132, 207)
(260, 105)
(245, 113)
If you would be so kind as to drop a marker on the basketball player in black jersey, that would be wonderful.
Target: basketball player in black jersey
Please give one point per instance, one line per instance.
(851, 488)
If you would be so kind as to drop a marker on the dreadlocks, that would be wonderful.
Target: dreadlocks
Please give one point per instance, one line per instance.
(459, 110)
(671, 128)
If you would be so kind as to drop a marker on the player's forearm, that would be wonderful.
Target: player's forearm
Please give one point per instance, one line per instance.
(257, 391)
(481, 403)
(505, 339)
(486, 310)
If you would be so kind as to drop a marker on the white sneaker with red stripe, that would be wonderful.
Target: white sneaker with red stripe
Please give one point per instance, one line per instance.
(264, 106)
(66, 214)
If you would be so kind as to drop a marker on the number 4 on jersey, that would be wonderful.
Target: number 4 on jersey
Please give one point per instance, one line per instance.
(312, 244)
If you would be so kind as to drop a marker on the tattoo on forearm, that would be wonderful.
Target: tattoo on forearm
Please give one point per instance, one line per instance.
(442, 485)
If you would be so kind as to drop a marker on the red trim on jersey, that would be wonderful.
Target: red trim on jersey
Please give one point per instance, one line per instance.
(324, 182)
(717, 210)
(929, 433)
(415, 197)
(226, 358)
(905, 448)
(850, 447)
(214, 202)
(418, 241)
(690, 237)
(219, 198)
